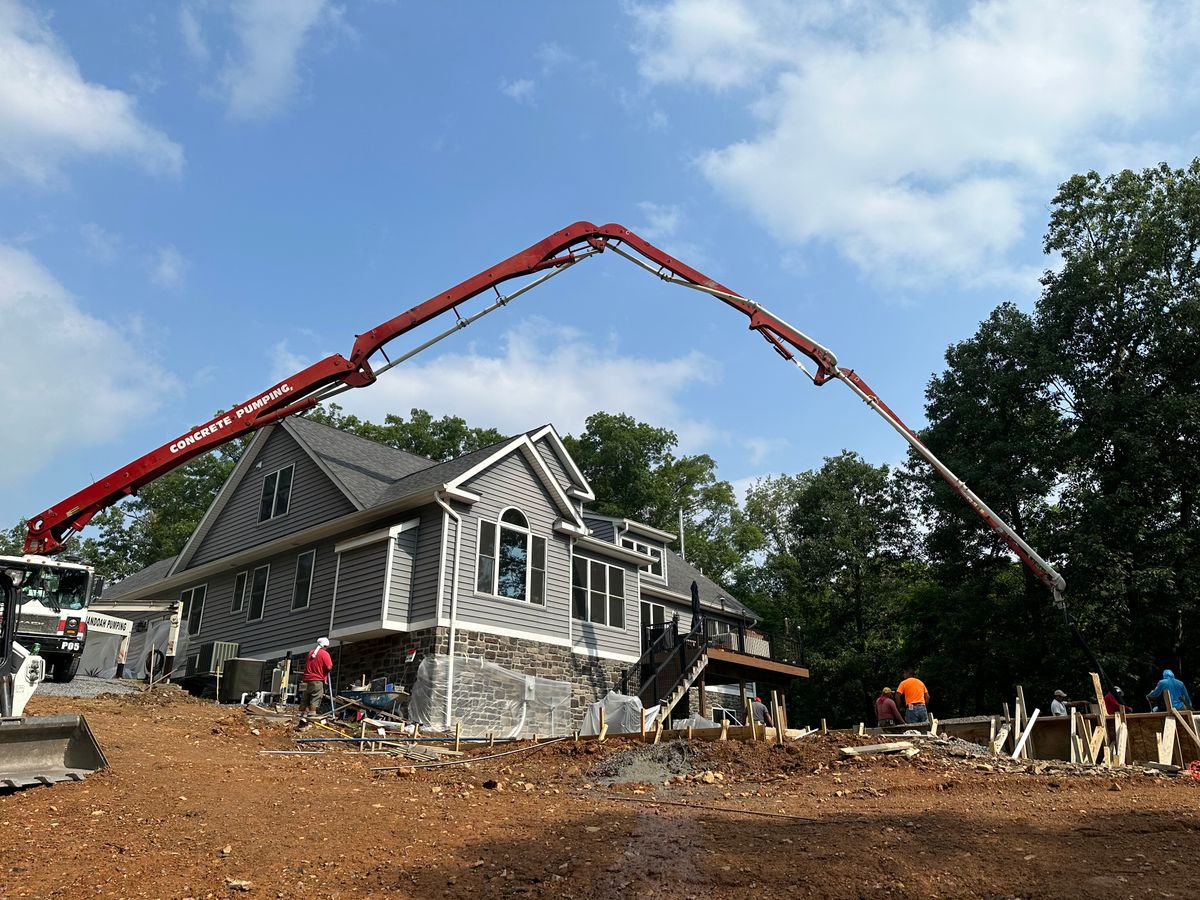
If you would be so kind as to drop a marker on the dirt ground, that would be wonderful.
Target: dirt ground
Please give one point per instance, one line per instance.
(190, 807)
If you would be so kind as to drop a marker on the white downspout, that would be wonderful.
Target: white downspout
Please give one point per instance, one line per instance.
(437, 496)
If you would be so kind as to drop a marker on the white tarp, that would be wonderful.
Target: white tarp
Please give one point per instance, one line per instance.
(695, 720)
(106, 646)
(622, 715)
(488, 699)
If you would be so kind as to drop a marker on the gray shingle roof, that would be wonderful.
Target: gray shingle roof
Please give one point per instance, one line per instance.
(365, 468)
(437, 474)
(152, 573)
(681, 574)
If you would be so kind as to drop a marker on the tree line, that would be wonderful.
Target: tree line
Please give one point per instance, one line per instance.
(1077, 421)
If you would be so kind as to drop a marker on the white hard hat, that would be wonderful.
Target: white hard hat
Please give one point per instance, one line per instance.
(323, 642)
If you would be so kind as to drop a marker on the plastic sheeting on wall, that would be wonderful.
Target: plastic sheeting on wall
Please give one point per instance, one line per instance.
(488, 699)
(622, 715)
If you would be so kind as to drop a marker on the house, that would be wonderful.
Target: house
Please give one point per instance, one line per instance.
(493, 555)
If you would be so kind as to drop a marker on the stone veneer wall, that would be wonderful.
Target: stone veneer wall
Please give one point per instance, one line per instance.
(590, 677)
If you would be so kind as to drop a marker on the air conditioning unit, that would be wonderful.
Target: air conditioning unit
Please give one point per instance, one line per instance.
(212, 656)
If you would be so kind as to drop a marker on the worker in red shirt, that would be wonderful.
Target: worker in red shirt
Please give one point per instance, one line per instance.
(886, 711)
(317, 665)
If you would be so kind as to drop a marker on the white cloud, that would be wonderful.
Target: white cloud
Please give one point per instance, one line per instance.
(99, 244)
(552, 56)
(539, 373)
(920, 148)
(50, 114)
(761, 448)
(90, 382)
(265, 75)
(168, 267)
(662, 220)
(519, 89)
(193, 36)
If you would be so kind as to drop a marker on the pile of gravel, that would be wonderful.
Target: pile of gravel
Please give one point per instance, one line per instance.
(87, 686)
(647, 762)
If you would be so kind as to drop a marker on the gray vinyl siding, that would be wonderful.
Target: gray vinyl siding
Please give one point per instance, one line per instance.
(404, 553)
(512, 482)
(553, 463)
(590, 637)
(360, 583)
(280, 627)
(424, 602)
(602, 529)
(314, 499)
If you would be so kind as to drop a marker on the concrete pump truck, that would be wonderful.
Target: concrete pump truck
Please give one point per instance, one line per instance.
(49, 530)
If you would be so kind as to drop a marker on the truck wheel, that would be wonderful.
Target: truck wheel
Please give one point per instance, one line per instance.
(64, 670)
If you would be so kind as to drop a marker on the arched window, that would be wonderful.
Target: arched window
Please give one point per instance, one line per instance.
(511, 560)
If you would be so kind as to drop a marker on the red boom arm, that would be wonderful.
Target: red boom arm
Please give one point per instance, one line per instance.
(50, 529)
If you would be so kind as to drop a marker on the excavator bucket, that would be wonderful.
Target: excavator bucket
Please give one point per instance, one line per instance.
(47, 750)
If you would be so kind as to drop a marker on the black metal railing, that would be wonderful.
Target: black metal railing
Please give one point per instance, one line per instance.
(763, 645)
(670, 657)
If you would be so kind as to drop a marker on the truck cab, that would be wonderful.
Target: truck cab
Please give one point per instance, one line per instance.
(51, 611)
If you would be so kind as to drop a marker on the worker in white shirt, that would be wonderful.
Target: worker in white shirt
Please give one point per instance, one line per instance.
(1057, 707)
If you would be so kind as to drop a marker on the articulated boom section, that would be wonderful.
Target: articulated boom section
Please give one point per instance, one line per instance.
(545, 259)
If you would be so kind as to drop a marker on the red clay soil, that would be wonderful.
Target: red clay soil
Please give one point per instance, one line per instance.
(191, 808)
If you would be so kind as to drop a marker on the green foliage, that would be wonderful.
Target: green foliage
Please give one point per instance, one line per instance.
(836, 569)
(437, 439)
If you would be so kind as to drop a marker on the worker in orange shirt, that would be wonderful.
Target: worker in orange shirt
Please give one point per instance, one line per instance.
(916, 699)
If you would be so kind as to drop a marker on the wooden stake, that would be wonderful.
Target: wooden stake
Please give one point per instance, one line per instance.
(1031, 751)
(457, 734)
(933, 726)
(1122, 742)
(492, 738)
(1166, 742)
(861, 729)
(824, 729)
(724, 730)
(603, 724)
(576, 735)
(1072, 740)
(643, 725)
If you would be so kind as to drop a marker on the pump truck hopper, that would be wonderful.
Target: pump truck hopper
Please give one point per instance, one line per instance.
(35, 749)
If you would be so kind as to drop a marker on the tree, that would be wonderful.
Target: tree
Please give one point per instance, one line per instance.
(437, 439)
(1121, 316)
(837, 565)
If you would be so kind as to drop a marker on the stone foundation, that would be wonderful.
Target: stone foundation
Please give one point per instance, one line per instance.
(590, 677)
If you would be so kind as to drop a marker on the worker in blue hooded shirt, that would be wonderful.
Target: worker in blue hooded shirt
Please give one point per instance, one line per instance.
(1172, 687)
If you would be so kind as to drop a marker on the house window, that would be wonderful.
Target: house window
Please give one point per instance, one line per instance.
(653, 614)
(302, 587)
(193, 606)
(656, 567)
(511, 560)
(239, 592)
(258, 593)
(276, 494)
(597, 592)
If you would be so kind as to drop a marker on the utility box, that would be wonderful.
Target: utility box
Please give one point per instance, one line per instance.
(238, 677)
(212, 655)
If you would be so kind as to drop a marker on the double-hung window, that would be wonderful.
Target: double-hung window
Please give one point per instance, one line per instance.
(656, 567)
(240, 583)
(511, 560)
(276, 494)
(258, 593)
(597, 592)
(193, 606)
(302, 586)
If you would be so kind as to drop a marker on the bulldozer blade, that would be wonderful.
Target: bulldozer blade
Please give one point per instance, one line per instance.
(47, 750)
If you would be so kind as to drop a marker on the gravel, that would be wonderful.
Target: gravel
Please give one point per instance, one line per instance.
(86, 686)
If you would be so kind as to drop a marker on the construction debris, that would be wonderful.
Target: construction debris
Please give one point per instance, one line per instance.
(897, 747)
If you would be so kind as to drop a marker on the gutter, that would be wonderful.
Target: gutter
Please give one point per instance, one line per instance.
(438, 499)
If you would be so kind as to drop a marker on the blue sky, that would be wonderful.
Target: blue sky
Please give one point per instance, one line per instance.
(198, 198)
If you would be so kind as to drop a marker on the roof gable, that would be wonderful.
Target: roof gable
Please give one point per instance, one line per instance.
(524, 445)
(231, 522)
(548, 442)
